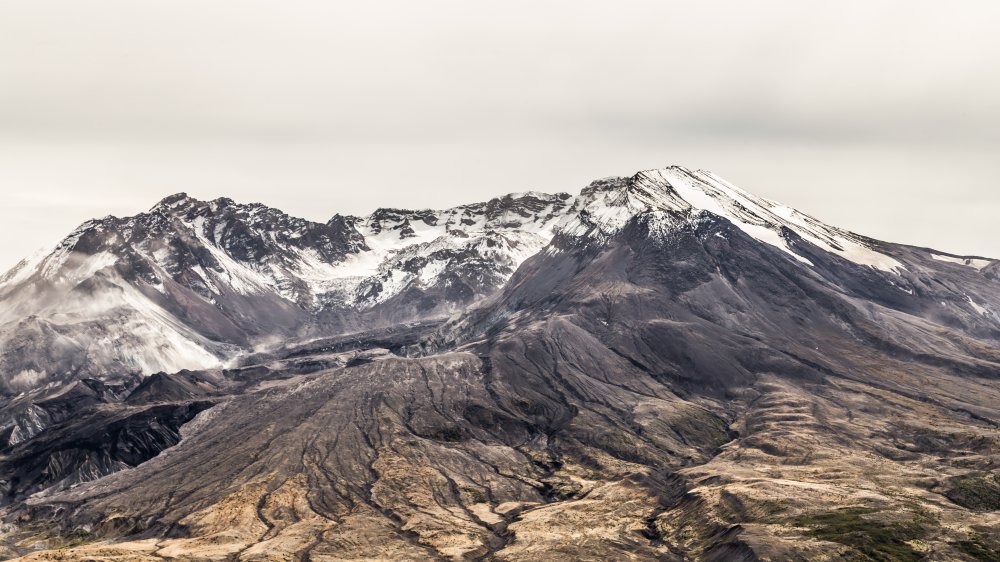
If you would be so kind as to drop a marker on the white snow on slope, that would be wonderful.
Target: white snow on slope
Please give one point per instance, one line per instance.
(977, 263)
(502, 250)
(680, 190)
(391, 236)
(117, 322)
(57, 264)
(24, 268)
(506, 240)
(766, 218)
(978, 307)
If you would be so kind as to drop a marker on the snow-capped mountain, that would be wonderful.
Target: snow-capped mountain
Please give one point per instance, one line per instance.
(677, 193)
(193, 284)
(663, 365)
(196, 284)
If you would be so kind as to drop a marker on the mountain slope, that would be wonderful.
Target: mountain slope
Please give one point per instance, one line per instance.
(663, 380)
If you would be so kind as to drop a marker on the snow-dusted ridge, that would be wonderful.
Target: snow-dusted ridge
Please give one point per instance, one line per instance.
(607, 205)
(973, 262)
(191, 283)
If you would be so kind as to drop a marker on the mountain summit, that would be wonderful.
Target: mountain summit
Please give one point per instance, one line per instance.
(662, 367)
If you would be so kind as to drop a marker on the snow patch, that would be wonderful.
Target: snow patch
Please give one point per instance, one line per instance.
(27, 379)
(978, 307)
(976, 263)
(764, 220)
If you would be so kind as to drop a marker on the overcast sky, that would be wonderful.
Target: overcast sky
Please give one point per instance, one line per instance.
(882, 117)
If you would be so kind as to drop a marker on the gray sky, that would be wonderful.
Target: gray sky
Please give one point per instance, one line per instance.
(882, 117)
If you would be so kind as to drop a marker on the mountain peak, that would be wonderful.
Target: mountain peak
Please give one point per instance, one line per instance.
(181, 203)
(175, 201)
(606, 205)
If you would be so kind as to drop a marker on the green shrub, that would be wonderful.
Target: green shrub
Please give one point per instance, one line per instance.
(877, 540)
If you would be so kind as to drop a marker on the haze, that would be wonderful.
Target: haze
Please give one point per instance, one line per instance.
(878, 117)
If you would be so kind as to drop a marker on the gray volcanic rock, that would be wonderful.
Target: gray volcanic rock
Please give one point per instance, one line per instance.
(681, 372)
(33, 412)
(92, 444)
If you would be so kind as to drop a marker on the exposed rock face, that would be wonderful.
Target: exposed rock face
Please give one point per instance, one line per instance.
(677, 371)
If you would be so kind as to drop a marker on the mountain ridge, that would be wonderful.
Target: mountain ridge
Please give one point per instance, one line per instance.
(621, 374)
(193, 269)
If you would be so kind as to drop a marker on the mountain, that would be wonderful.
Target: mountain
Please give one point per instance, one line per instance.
(661, 367)
(195, 285)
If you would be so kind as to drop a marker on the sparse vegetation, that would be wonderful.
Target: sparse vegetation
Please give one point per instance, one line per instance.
(475, 495)
(448, 435)
(76, 538)
(877, 540)
(977, 548)
(978, 492)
